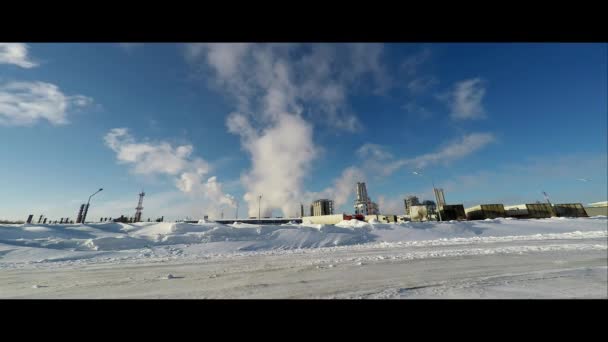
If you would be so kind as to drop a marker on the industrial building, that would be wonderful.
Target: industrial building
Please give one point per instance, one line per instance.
(485, 211)
(418, 213)
(570, 210)
(409, 202)
(451, 212)
(381, 218)
(597, 208)
(363, 203)
(322, 207)
(440, 197)
(530, 210)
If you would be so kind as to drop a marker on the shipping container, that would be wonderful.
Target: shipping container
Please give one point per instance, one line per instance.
(485, 211)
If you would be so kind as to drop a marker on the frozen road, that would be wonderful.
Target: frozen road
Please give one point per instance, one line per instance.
(559, 268)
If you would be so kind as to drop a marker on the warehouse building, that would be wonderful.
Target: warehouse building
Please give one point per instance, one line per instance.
(485, 211)
(570, 210)
(530, 210)
(450, 212)
(597, 209)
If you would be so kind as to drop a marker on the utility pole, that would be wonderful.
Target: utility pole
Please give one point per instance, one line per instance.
(86, 210)
(546, 197)
(259, 200)
(550, 205)
(237, 210)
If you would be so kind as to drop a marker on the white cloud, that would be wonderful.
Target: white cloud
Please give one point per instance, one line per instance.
(451, 152)
(373, 151)
(150, 158)
(419, 111)
(421, 84)
(465, 99)
(15, 53)
(26, 103)
(162, 158)
(411, 64)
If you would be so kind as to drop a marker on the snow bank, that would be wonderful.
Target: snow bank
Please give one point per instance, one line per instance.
(32, 242)
(353, 224)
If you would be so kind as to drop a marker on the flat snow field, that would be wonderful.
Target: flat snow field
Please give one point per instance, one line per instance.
(501, 258)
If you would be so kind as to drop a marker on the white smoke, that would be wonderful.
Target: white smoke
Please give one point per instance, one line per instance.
(276, 94)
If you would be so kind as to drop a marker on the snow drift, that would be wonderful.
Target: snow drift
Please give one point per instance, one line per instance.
(37, 243)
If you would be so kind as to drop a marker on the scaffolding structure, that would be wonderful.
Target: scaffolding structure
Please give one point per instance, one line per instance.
(138, 210)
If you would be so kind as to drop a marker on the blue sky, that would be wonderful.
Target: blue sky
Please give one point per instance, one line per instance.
(201, 127)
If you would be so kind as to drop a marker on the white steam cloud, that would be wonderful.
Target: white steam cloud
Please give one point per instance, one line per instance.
(277, 87)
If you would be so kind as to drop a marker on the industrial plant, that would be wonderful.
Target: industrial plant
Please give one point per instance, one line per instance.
(322, 211)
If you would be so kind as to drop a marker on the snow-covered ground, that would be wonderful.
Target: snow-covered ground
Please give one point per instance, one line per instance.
(501, 258)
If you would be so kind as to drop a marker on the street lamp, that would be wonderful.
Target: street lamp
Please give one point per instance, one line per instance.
(418, 173)
(87, 207)
(259, 199)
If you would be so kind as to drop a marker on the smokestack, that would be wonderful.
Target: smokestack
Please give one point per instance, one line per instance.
(84, 213)
(40, 218)
(79, 217)
(440, 197)
(29, 219)
(61, 221)
(44, 221)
